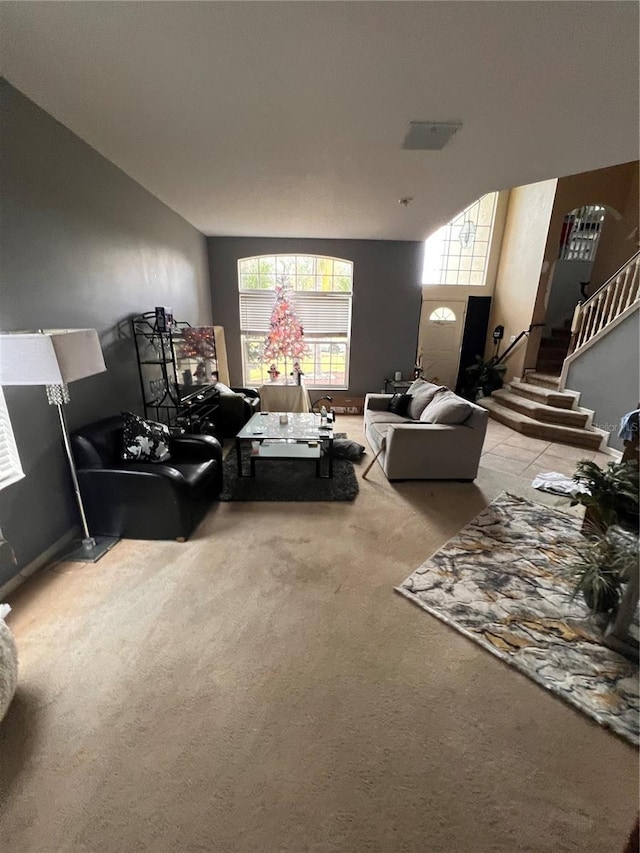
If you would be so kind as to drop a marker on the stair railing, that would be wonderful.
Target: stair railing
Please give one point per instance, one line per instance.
(617, 294)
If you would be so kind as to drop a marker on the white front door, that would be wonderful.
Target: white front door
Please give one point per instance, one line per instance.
(439, 340)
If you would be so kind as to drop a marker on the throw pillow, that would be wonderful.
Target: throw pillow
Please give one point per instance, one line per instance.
(416, 385)
(144, 441)
(399, 404)
(422, 394)
(446, 408)
(345, 448)
(224, 390)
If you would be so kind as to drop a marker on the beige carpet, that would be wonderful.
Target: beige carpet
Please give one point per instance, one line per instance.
(262, 688)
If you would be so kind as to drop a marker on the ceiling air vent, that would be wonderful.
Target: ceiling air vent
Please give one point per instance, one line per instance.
(429, 135)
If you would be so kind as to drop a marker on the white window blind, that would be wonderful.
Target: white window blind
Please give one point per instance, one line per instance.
(10, 468)
(321, 314)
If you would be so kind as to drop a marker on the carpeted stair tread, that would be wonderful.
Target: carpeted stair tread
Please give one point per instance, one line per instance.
(540, 411)
(548, 396)
(550, 346)
(551, 367)
(590, 438)
(561, 335)
(544, 379)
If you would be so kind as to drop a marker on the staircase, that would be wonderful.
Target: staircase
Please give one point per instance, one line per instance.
(617, 299)
(537, 408)
(539, 405)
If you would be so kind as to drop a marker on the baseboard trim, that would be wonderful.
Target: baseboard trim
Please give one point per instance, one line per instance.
(40, 562)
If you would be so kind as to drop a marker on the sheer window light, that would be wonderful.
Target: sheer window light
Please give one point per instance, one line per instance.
(10, 467)
(458, 253)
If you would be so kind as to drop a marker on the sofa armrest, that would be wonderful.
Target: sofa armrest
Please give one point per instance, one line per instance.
(129, 486)
(248, 392)
(432, 451)
(377, 402)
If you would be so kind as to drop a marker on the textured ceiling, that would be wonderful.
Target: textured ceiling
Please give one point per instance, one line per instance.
(287, 118)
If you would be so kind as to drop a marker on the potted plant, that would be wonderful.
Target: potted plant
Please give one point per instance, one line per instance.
(610, 495)
(602, 566)
(483, 377)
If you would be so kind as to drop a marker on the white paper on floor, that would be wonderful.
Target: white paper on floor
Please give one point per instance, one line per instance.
(558, 484)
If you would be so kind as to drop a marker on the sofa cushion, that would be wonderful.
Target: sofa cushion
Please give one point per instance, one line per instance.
(144, 441)
(446, 408)
(379, 431)
(419, 384)
(399, 404)
(385, 417)
(422, 393)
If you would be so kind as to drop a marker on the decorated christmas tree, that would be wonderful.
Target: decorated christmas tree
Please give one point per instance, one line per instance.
(286, 337)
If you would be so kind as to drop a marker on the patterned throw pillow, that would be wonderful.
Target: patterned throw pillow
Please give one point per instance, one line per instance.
(144, 441)
(399, 404)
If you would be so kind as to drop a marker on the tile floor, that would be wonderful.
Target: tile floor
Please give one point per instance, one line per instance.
(507, 450)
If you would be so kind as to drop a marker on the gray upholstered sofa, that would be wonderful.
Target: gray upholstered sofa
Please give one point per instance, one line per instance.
(415, 449)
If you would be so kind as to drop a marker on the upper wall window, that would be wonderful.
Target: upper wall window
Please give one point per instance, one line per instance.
(581, 231)
(10, 467)
(317, 293)
(458, 253)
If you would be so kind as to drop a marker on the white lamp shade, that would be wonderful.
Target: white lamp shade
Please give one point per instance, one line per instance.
(51, 357)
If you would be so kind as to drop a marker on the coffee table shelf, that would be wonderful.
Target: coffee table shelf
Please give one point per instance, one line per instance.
(287, 449)
(301, 437)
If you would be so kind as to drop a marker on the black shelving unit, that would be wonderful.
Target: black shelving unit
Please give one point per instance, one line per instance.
(177, 383)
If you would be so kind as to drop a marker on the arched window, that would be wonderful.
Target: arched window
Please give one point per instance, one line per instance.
(458, 252)
(442, 315)
(319, 292)
(581, 232)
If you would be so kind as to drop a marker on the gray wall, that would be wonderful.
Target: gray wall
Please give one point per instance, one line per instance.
(386, 299)
(564, 293)
(82, 245)
(608, 375)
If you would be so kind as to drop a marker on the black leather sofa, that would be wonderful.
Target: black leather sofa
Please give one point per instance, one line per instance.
(237, 405)
(145, 500)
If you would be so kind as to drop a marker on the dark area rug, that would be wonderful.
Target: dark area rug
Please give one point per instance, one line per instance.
(287, 480)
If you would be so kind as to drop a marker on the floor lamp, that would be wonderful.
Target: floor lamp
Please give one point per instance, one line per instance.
(54, 358)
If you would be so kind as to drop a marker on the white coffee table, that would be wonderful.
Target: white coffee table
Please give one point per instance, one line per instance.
(302, 437)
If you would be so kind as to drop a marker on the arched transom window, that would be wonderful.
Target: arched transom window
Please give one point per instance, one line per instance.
(442, 315)
(318, 292)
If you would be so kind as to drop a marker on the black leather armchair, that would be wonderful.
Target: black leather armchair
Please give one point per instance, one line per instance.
(145, 500)
(236, 409)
